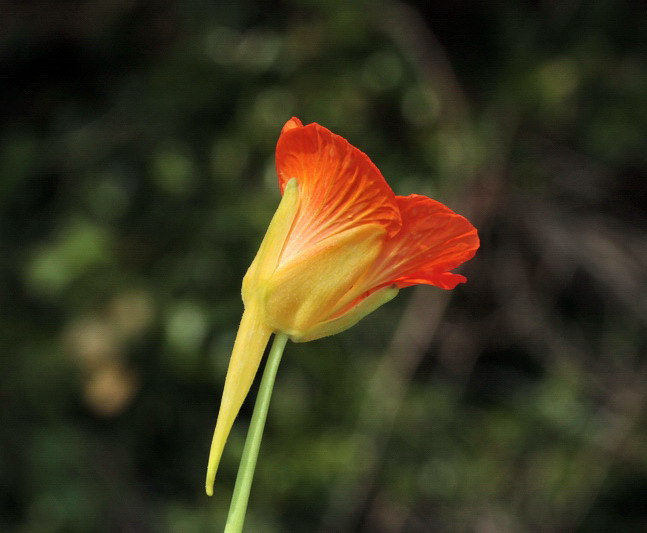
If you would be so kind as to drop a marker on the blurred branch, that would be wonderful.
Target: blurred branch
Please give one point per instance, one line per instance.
(614, 257)
(404, 25)
(618, 419)
(385, 396)
(613, 254)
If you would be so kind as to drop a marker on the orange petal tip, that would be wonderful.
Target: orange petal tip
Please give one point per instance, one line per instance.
(291, 124)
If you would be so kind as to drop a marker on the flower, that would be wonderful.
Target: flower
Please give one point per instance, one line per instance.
(340, 245)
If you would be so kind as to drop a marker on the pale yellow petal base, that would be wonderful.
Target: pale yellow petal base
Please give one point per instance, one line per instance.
(303, 292)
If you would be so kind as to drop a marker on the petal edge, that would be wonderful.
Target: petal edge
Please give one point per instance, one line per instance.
(433, 241)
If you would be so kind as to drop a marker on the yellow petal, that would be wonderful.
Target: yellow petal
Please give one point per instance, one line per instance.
(304, 291)
(251, 340)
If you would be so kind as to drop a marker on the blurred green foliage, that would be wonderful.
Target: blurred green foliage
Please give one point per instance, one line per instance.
(137, 179)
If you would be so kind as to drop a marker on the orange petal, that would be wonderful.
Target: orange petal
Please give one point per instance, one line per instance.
(433, 240)
(294, 122)
(339, 186)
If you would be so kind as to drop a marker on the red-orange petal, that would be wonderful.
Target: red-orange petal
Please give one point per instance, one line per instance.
(339, 186)
(294, 122)
(432, 241)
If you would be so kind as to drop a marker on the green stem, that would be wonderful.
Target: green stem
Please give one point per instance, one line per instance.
(238, 507)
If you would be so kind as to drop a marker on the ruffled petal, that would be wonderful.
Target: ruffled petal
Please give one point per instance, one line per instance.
(433, 240)
(339, 186)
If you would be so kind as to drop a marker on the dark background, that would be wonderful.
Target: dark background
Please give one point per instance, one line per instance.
(137, 179)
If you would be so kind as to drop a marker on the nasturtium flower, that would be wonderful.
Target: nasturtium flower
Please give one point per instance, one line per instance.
(340, 245)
